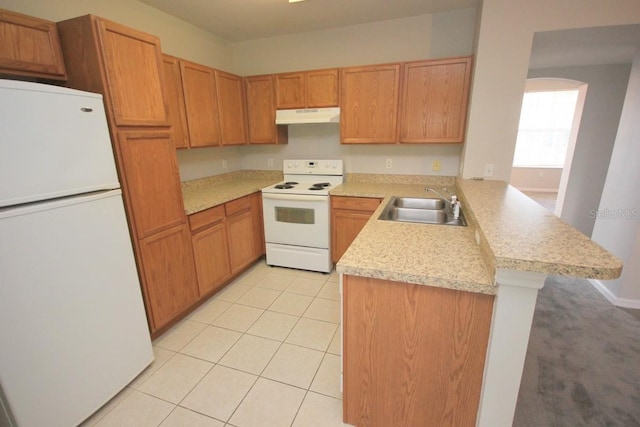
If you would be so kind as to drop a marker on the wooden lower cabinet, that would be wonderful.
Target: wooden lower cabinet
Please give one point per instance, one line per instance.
(210, 249)
(241, 243)
(413, 355)
(258, 224)
(226, 240)
(170, 280)
(348, 216)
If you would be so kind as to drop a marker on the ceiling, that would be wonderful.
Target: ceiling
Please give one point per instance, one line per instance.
(585, 46)
(240, 20)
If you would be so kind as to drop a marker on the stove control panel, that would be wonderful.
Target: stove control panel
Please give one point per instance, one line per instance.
(313, 167)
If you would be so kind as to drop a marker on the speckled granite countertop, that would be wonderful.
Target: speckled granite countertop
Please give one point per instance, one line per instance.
(515, 233)
(205, 193)
(522, 235)
(413, 253)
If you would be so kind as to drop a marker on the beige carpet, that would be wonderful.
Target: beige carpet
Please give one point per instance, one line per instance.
(583, 360)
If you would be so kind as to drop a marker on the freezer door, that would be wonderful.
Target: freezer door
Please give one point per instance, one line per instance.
(54, 142)
(72, 323)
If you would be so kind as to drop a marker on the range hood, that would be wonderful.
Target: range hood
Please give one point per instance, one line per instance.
(308, 115)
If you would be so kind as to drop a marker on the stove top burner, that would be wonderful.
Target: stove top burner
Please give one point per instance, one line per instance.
(291, 183)
(316, 188)
(283, 186)
(322, 184)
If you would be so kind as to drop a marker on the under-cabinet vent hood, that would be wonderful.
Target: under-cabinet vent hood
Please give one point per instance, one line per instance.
(308, 115)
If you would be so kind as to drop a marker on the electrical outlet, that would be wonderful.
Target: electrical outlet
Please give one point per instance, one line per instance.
(224, 163)
(389, 163)
(488, 169)
(435, 166)
(270, 161)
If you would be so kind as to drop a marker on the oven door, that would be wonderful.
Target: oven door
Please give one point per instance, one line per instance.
(294, 219)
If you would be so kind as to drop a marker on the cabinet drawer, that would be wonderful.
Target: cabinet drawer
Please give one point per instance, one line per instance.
(367, 204)
(237, 205)
(206, 217)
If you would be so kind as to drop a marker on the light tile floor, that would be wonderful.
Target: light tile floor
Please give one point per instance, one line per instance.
(263, 352)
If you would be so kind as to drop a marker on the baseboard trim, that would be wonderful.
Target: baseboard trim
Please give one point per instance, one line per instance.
(618, 302)
(538, 190)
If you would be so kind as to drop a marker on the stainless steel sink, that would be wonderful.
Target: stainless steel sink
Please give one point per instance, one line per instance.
(418, 203)
(422, 210)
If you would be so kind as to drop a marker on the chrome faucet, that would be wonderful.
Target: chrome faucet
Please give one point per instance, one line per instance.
(453, 202)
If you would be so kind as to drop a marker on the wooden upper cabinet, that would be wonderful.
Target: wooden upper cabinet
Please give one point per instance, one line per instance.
(261, 112)
(152, 180)
(434, 100)
(174, 101)
(369, 104)
(309, 89)
(231, 108)
(133, 68)
(322, 88)
(30, 47)
(290, 91)
(201, 104)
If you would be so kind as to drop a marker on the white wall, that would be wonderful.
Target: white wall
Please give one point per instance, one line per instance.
(176, 36)
(536, 179)
(607, 85)
(322, 141)
(617, 227)
(501, 65)
(418, 37)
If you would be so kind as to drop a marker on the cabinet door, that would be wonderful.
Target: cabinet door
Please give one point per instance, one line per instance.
(151, 181)
(169, 273)
(241, 240)
(30, 47)
(174, 99)
(290, 88)
(258, 224)
(321, 88)
(211, 255)
(231, 108)
(133, 64)
(348, 216)
(369, 104)
(261, 112)
(434, 101)
(201, 104)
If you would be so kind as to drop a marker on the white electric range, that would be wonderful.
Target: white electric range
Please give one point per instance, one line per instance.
(296, 215)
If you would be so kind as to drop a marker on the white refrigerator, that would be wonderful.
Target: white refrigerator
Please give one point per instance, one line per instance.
(73, 330)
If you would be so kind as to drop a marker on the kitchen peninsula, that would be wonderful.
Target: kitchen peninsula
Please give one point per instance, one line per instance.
(424, 358)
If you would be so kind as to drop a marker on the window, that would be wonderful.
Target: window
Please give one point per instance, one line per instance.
(545, 125)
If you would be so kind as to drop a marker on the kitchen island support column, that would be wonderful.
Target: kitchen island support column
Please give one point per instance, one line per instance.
(513, 312)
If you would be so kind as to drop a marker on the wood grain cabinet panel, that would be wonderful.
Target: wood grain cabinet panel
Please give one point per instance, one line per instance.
(241, 240)
(369, 104)
(133, 64)
(152, 181)
(170, 281)
(30, 47)
(211, 255)
(434, 103)
(258, 224)
(322, 88)
(174, 100)
(231, 108)
(413, 354)
(307, 89)
(348, 216)
(261, 112)
(201, 104)
(290, 91)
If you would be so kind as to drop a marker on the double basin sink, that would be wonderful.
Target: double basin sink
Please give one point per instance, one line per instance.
(422, 210)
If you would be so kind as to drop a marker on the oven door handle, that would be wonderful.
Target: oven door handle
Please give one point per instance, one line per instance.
(295, 197)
